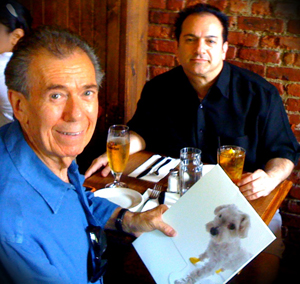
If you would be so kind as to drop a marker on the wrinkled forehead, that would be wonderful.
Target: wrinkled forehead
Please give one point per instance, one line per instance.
(44, 63)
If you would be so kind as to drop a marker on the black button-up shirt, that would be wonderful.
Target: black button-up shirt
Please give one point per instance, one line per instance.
(241, 108)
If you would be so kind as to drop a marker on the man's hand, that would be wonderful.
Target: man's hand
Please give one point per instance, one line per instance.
(257, 184)
(261, 183)
(138, 223)
(101, 161)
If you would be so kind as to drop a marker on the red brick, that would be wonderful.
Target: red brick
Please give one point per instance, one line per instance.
(283, 73)
(293, 104)
(231, 52)
(157, 4)
(279, 87)
(294, 90)
(297, 60)
(244, 39)
(289, 219)
(259, 24)
(291, 205)
(261, 8)
(194, 2)
(159, 31)
(175, 5)
(295, 192)
(287, 10)
(259, 55)
(259, 69)
(154, 71)
(232, 21)
(289, 58)
(162, 45)
(294, 119)
(270, 41)
(290, 42)
(162, 17)
(220, 4)
(238, 6)
(161, 59)
(297, 134)
(294, 26)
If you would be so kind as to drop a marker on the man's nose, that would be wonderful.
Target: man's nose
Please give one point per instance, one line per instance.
(73, 109)
(200, 48)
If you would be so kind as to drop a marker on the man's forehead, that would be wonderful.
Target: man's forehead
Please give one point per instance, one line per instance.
(48, 69)
(46, 61)
(207, 22)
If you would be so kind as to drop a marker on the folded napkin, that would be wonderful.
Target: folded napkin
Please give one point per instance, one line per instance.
(170, 199)
(162, 172)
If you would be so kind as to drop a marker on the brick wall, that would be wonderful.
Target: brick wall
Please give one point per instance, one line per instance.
(264, 36)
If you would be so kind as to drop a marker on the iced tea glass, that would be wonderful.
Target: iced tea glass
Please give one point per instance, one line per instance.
(231, 159)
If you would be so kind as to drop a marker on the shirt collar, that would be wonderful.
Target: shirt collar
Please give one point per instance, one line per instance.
(223, 80)
(51, 188)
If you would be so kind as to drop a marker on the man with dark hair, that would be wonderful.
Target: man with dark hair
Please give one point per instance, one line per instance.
(207, 102)
(51, 228)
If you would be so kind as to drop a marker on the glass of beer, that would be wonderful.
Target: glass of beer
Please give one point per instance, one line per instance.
(231, 159)
(117, 149)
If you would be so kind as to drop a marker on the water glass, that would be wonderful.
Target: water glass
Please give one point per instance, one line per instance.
(190, 169)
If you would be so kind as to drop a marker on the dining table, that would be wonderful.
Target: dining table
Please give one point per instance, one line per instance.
(124, 263)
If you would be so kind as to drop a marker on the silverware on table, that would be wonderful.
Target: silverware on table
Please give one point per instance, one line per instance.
(165, 163)
(161, 197)
(154, 194)
(148, 170)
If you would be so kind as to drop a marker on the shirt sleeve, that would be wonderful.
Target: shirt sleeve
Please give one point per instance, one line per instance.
(101, 208)
(280, 141)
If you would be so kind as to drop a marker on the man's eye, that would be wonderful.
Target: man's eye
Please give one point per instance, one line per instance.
(189, 40)
(88, 93)
(210, 41)
(55, 96)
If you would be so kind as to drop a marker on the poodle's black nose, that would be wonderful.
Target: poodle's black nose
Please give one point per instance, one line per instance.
(214, 231)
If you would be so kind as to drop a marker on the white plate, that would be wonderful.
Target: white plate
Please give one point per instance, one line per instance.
(124, 197)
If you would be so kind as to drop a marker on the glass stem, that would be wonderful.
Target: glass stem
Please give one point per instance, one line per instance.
(117, 177)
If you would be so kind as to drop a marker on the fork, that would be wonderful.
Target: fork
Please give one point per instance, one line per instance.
(154, 194)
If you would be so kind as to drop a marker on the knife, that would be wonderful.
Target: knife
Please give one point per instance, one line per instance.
(165, 163)
(145, 172)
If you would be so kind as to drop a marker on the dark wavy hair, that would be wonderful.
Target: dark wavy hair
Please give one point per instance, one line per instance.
(58, 42)
(16, 17)
(199, 9)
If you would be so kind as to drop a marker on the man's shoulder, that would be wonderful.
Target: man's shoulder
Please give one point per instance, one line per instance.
(170, 75)
(249, 76)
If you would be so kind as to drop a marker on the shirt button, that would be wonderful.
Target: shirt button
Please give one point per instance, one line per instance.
(201, 106)
(200, 130)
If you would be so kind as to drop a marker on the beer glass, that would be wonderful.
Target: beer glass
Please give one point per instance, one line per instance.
(231, 159)
(117, 149)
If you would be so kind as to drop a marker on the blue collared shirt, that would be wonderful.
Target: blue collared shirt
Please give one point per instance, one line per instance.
(43, 236)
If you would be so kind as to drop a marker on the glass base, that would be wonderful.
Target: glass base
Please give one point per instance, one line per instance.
(116, 184)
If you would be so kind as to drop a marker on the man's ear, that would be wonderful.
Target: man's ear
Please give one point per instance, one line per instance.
(19, 104)
(16, 35)
(224, 50)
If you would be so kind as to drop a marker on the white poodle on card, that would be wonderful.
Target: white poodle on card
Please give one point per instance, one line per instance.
(224, 250)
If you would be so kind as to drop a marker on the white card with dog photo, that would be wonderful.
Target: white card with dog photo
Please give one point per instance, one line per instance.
(218, 233)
